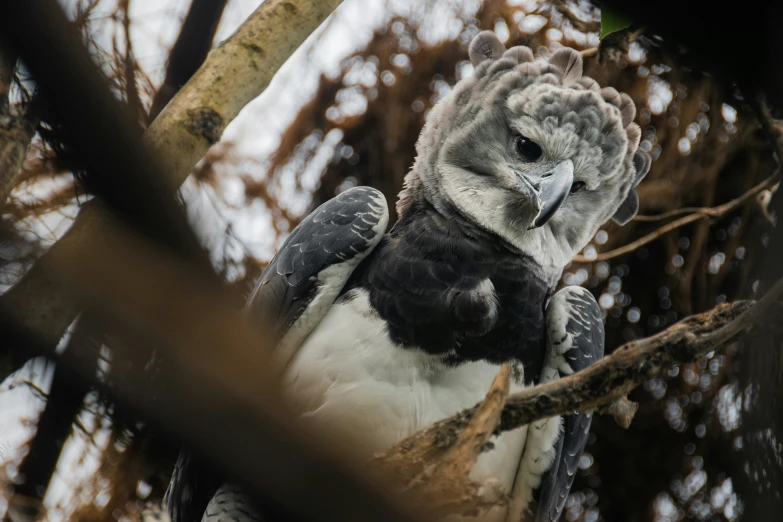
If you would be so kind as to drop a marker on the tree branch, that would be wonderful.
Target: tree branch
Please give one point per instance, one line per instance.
(189, 51)
(603, 386)
(698, 213)
(233, 74)
(585, 26)
(438, 477)
(242, 426)
(63, 403)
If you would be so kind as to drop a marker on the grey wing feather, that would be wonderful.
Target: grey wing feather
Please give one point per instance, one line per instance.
(575, 319)
(341, 232)
(231, 504)
(192, 485)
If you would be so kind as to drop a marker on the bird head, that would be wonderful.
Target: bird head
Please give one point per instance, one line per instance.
(531, 151)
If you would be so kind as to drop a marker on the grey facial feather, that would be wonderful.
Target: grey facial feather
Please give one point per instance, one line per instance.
(467, 158)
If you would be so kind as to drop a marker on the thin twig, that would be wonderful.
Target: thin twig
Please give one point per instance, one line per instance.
(770, 126)
(699, 213)
(710, 211)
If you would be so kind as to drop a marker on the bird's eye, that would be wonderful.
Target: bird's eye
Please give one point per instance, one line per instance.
(528, 149)
(577, 186)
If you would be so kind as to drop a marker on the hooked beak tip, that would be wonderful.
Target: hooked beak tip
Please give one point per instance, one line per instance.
(548, 193)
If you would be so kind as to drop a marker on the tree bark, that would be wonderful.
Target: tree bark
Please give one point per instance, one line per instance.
(608, 380)
(234, 74)
(189, 51)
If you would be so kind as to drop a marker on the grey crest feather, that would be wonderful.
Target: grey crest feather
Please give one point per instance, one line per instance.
(630, 205)
(627, 109)
(588, 83)
(628, 209)
(485, 46)
(570, 62)
(634, 136)
(520, 54)
(610, 95)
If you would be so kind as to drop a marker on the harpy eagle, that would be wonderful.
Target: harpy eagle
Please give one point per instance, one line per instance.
(383, 333)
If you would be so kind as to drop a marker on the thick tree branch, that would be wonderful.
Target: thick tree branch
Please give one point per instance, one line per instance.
(608, 381)
(144, 284)
(234, 74)
(189, 51)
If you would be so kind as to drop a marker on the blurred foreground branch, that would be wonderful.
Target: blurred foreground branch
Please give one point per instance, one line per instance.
(233, 74)
(137, 264)
(66, 392)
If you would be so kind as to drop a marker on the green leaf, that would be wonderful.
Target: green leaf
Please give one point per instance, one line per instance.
(611, 22)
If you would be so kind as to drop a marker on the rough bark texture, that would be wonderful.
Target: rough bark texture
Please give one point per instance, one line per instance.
(189, 51)
(599, 386)
(235, 73)
(438, 475)
(241, 423)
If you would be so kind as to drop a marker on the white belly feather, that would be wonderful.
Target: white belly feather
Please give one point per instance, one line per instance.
(349, 377)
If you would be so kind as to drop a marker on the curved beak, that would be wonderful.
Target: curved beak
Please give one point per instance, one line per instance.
(548, 192)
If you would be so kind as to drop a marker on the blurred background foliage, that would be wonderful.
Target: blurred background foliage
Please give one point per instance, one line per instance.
(703, 445)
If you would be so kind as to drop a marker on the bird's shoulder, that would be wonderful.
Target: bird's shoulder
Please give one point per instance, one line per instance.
(309, 271)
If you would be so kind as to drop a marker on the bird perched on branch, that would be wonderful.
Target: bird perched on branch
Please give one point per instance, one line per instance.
(382, 334)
